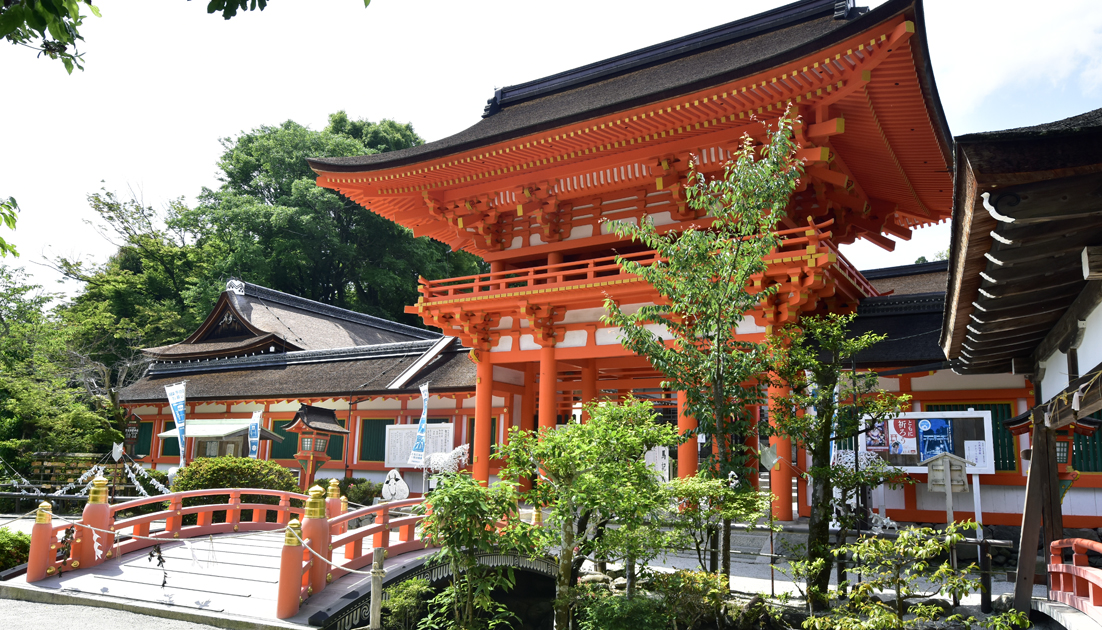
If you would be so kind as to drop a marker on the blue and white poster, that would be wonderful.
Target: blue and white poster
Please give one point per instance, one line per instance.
(935, 436)
(177, 402)
(417, 455)
(254, 435)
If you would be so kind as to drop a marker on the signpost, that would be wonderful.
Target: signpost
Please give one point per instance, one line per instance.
(417, 455)
(254, 434)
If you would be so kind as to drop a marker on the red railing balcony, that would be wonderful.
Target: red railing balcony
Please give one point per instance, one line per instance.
(796, 243)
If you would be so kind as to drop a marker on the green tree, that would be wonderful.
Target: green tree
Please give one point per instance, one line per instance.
(896, 573)
(705, 502)
(463, 519)
(595, 468)
(815, 360)
(40, 407)
(702, 279)
(8, 208)
(271, 224)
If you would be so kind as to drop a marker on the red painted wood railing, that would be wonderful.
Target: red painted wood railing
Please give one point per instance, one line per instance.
(1076, 584)
(793, 241)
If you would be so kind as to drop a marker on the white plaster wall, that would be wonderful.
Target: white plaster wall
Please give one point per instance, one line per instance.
(374, 475)
(535, 239)
(1090, 351)
(147, 410)
(1056, 375)
(246, 407)
(583, 315)
(749, 326)
(517, 243)
(888, 384)
(950, 380)
(508, 375)
(517, 402)
(895, 498)
(504, 344)
(573, 339)
(468, 403)
(528, 342)
(436, 402)
(290, 405)
(661, 218)
(496, 401)
(332, 404)
(581, 231)
(505, 323)
(1082, 502)
(379, 403)
(210, 408)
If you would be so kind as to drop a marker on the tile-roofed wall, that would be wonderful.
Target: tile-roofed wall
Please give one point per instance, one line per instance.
(910, 279)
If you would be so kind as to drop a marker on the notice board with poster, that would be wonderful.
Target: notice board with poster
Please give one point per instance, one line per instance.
(914, 437)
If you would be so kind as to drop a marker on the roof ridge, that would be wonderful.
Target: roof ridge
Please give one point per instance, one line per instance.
(286, 299)
(403, 348)
(662, 52)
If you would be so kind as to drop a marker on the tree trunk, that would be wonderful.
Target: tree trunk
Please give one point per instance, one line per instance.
(629, 575)
(818, 529)
(725, 546)
(562, 582)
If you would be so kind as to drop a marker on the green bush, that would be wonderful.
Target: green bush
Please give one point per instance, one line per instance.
(598, 609)
(15, 548)
(364, 491)
(208, 473)
(690, 597)
(358, 491)
(406, 604)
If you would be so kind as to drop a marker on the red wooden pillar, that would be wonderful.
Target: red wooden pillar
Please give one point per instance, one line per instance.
(549, 381)
(589, 385)
(687, 453)
(483, 409)
(528, 400)
(315, 529)
(289, 594)
(780, 476)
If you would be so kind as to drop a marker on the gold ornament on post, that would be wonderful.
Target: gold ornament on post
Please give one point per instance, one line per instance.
(315, 505)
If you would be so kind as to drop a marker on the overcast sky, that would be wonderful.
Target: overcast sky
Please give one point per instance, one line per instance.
(164, 82)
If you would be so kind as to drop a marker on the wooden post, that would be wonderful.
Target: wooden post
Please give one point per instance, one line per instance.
(589, 385)
(333, 500)
(290, 573)
(780, 476)
(1031, 517)
(315, 528)
(42, 553)
(97, 513)
(483, 419)
(687, 453)
(549, 395)
(377, 574)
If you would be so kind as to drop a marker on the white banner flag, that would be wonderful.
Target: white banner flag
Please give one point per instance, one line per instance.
(254, 434)
(177, 401)
(417, 455)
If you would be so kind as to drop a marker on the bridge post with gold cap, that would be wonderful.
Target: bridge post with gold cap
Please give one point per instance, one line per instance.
(315, 528)
(289, 595)
(42, 538)
(333, 499)
(96, 543)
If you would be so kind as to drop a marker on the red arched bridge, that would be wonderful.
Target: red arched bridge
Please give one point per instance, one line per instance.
(235, 558)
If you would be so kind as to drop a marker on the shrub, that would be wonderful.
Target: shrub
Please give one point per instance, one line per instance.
(690, 597)
(598, 609)
(364, 491)
(406, 604)
(358, 491)
(232, 472)
(15, 548)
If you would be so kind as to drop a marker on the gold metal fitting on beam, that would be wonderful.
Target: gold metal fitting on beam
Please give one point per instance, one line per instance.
(328, 578)
(289, 538)
(109, 554)
(315, 505)
(49, 569)
(76, 564)
(45, 513)
(98, 493)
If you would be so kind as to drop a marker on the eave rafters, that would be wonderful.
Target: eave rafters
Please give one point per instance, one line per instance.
(717, 116)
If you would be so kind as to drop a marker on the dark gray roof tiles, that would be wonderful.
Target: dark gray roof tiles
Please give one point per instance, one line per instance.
(695, 62)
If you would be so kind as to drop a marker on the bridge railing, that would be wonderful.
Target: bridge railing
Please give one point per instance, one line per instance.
(94, 535)
(1076, 584)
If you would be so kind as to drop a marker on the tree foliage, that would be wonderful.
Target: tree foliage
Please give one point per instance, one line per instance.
(49, 26)
(42, 408)
(592, 473)
(829, 403)
(8, 209)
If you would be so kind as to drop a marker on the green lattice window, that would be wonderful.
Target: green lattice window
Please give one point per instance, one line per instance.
(170, 447)
(289, 446)
(1087, 454)
(144, 445)
(373, 439)
(1006, 448)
